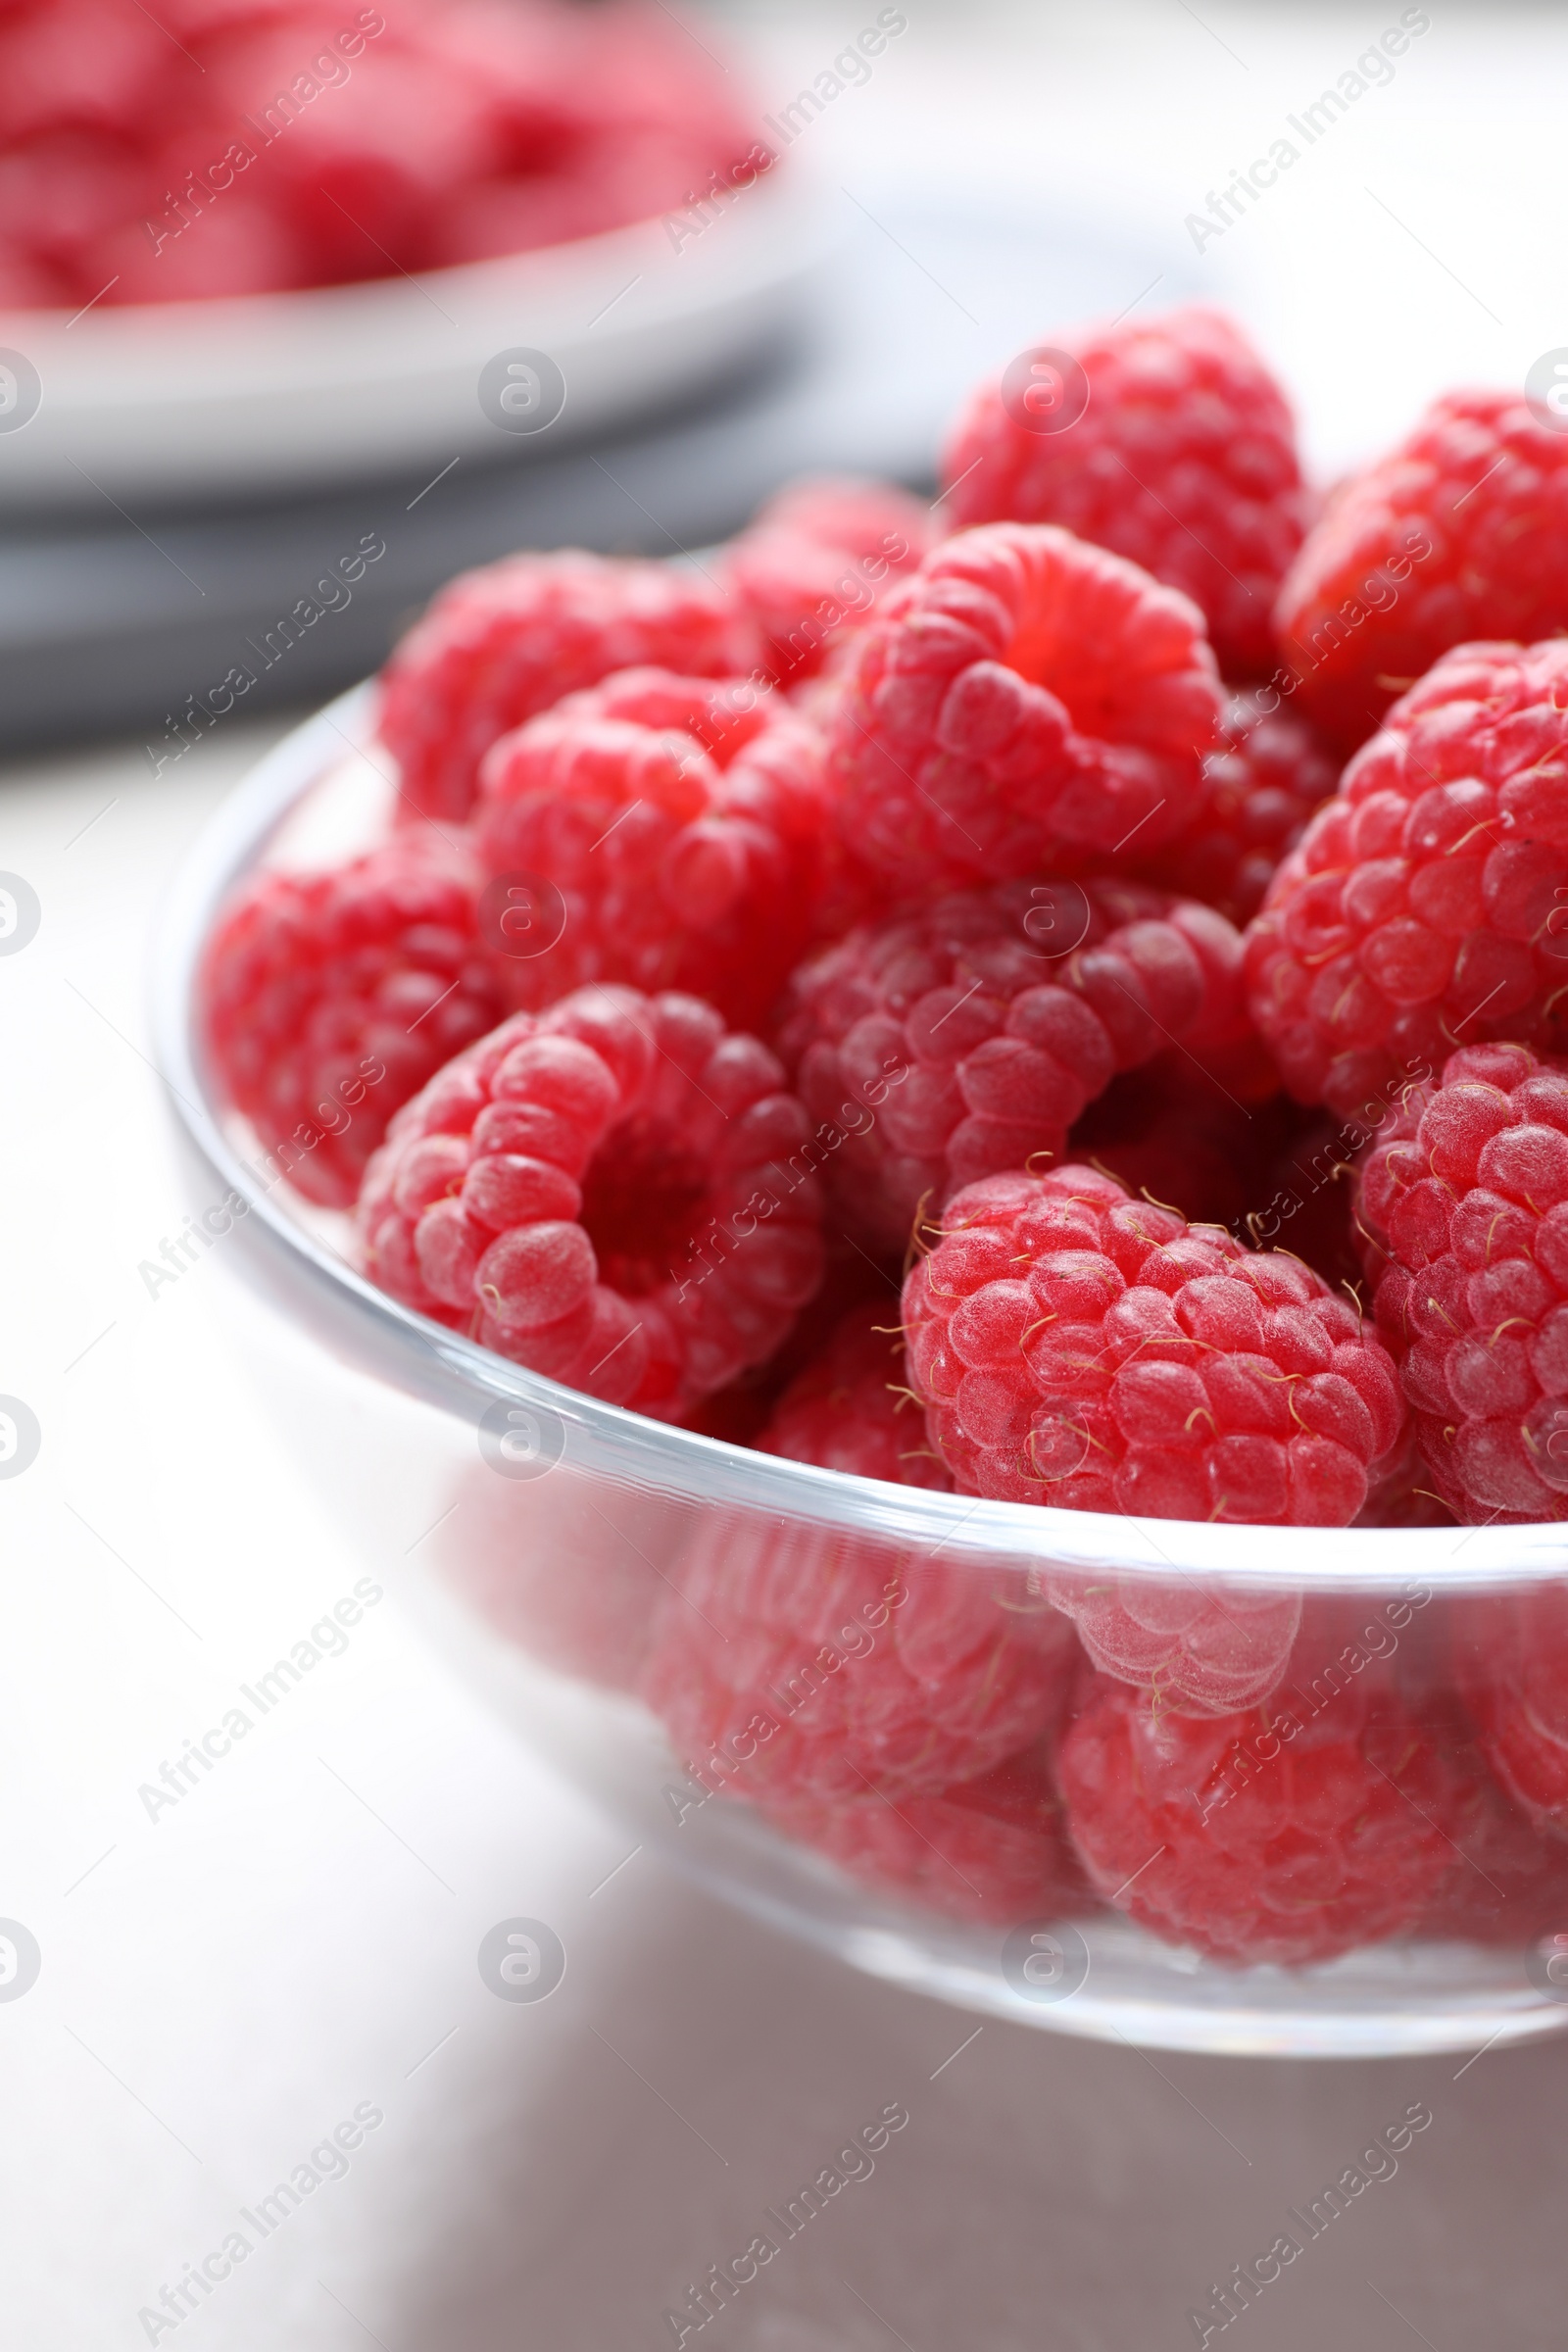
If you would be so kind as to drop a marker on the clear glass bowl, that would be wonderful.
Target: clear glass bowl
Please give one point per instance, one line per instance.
(569, 1554)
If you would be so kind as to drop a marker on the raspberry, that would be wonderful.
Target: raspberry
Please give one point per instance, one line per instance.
(1508, 1884)
(1023, 697)
(501, 644)
(1463, 1202)
(1423, 907)
(332, 997)
(992, 1852)
(1183, 460)
(1270, 772)
(809, 1661)
(968, 1038)
(1455, 535)
(850, 1411)
(1193, 1652)
(815, 560)
(681, 824)
(1081, 1348)
(1511, 1652)
(1282, 1834)
(597, 1193)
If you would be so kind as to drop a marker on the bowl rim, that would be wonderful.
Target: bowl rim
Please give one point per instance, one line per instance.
(404, 1348)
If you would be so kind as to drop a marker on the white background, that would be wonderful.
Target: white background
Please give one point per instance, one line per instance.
(222, 1987)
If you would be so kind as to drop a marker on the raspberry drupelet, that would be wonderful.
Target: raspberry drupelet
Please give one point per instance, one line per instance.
(681, 823)
(794, 1659)
(850, 1409)
(504, 643)
(1077, 1347)
(1183, 459)
(1285, 1833)
(817, 559)
(1456, 534)
(1023, 698)
(601, 1193)
(1464, 1207)
(332, 997)
(1426, 906)
(966, 1039)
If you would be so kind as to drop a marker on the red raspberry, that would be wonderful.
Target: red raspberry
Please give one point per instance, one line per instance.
(332, 997)
(804, 1661)
(1508, 1882)
(1080, 1349)
(992, 1850)
(1279, 1835)
(1183, 460)
(1024, 696)
(1269, 775)
(851, 1410)
(598, 1192)
(944, 1045)
(1455, 535)
(682, 825)
(1511, 1654)
(1195, 1651)
(816, 560)
(1421, 908)
(504, 643)
(1463, 1202)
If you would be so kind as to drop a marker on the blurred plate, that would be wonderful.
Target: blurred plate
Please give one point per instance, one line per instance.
(335, 382)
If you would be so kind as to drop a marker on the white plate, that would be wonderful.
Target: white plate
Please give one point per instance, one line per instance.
(275, 390)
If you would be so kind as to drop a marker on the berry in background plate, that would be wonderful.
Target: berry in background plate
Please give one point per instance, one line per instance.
(609, 1194)
(330, 998)
(1081, 1348)
(500, 645)
(1426, 906)
(1458, 534)
(1182, 457)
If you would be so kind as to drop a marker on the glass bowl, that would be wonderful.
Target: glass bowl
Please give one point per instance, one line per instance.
(575, 1560)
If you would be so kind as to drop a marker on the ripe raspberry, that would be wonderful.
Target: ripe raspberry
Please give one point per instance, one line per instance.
(1024, 696)
(1270, 772)
(598, 1192)
(1182, 461)
(851, 1410)
(1508, 1882)
(1463, 1202)
(816, 560)
(1191, 1651)
(966, 1039)
(809, 1661)
(332, 997)
(1277, 1834)
(1455, 535)
(1421, 908)
(1080, 1349)
(992, 1850)
(682, 824)
(1512, 1657)
(504, 643)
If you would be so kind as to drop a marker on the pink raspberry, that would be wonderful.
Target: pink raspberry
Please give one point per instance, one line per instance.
(850, 1409)
(817, 559)
(1511, 1656)
(1183, 459)
(1463, 1202)
(1270, 772)
(332, 997)
(992, 1850)
(1284, 1834)
(965, 1039)
(1022, 698)
(1455, 535)
(504, 643)
(796, 1661)
(680, 828)
(1080, 1349)
(1197, 1650)
(601, 1193)
(1424, 904)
